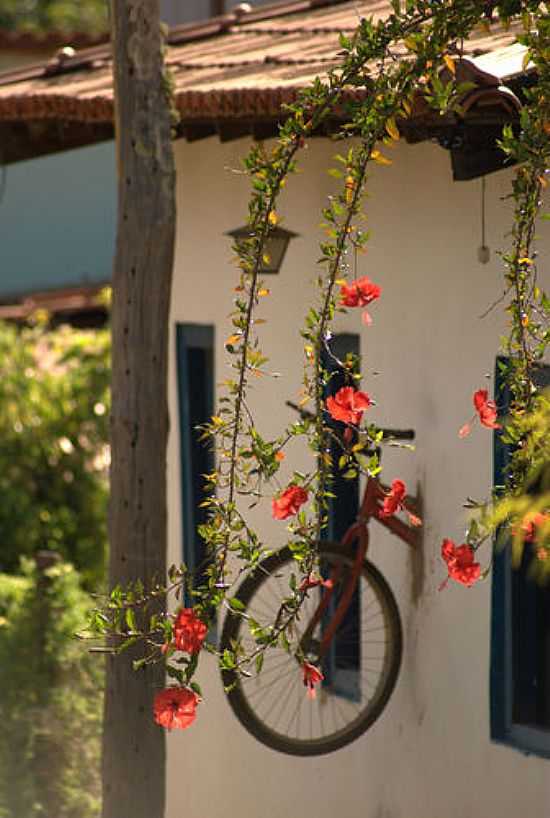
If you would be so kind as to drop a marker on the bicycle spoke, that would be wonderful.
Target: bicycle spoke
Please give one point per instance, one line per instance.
(358, 666)
(266, 671)
(284, 702)
(293, 716)
(264, 687)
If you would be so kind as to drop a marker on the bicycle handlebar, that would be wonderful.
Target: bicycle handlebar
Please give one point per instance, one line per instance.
(394, 434)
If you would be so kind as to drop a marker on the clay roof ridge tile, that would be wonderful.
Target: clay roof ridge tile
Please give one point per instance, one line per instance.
(273, 32)
(267, 60)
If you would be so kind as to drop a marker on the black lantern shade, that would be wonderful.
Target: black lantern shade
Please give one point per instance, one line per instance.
(275, 247)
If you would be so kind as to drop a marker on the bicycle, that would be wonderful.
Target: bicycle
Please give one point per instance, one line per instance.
(350, 627)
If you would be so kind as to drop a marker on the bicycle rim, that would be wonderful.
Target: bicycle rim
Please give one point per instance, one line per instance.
(360, 671)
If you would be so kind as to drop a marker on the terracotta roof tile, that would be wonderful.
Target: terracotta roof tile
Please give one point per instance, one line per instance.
(230, 67)
(55, 301)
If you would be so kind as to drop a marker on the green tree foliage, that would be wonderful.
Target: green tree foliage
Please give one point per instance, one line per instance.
(41, 16)
(50, 698)
(54, 405)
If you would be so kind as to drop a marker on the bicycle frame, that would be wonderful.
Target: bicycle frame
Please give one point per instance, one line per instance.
(371, 507)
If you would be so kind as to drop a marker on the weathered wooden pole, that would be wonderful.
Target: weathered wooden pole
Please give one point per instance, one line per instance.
(133, 746)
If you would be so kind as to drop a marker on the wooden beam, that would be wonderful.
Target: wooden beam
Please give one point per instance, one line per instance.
(236, 129)
(193, 131)
(265, 130)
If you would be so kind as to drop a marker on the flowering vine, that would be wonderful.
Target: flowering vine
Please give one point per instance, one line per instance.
(248, 464)
(526, 491)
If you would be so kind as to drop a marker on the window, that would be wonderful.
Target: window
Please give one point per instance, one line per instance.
(195, 377)
(520, 637)
(342, 665)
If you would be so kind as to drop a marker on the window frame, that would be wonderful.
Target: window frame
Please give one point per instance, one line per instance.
(345, 682)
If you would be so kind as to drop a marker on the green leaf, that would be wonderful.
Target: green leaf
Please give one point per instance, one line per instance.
(137, 664)
(228, 660)
(175, 673)
(127, 643)
(197, 688)
(131, 619)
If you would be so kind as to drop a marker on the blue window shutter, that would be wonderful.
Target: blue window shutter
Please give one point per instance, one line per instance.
(195, 379)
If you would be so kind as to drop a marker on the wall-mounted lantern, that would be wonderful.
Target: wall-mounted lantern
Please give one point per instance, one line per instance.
(275, 247)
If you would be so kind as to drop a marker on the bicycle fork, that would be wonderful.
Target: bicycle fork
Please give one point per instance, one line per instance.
(344, 602)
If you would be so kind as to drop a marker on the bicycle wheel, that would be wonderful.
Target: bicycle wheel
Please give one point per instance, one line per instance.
(360, 669)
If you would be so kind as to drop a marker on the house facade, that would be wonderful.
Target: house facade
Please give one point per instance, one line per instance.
(433, 751)
(460, 735)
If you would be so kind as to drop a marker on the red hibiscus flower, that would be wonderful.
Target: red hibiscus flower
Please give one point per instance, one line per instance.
(189, 631)
(486, 411)
(175, 707)
(289, 502)
(360, 293)
(460, 563)
(348, 405)
(312, 676)
(394, 501)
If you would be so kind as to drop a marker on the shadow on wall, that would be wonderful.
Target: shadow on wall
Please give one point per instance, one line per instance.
(417, 565)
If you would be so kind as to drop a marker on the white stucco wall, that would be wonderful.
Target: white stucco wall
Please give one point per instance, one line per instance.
(429, 755)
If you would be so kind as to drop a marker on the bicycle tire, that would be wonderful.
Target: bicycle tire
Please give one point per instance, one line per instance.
(235, 627)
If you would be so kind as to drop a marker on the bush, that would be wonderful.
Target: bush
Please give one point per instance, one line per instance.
(41, 16)
(50, 698)
(54, 402)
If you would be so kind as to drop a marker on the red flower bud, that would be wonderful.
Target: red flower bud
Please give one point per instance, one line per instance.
(312, 676)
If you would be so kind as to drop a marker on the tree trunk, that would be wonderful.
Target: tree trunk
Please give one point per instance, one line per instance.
(133, 745)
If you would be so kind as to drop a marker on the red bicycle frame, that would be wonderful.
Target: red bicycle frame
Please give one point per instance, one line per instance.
(371, 507)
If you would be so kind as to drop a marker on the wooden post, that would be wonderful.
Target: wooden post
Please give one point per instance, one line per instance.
(133, 745)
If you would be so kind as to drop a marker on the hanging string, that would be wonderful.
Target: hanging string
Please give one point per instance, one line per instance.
(483, 252)
(483, 211)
